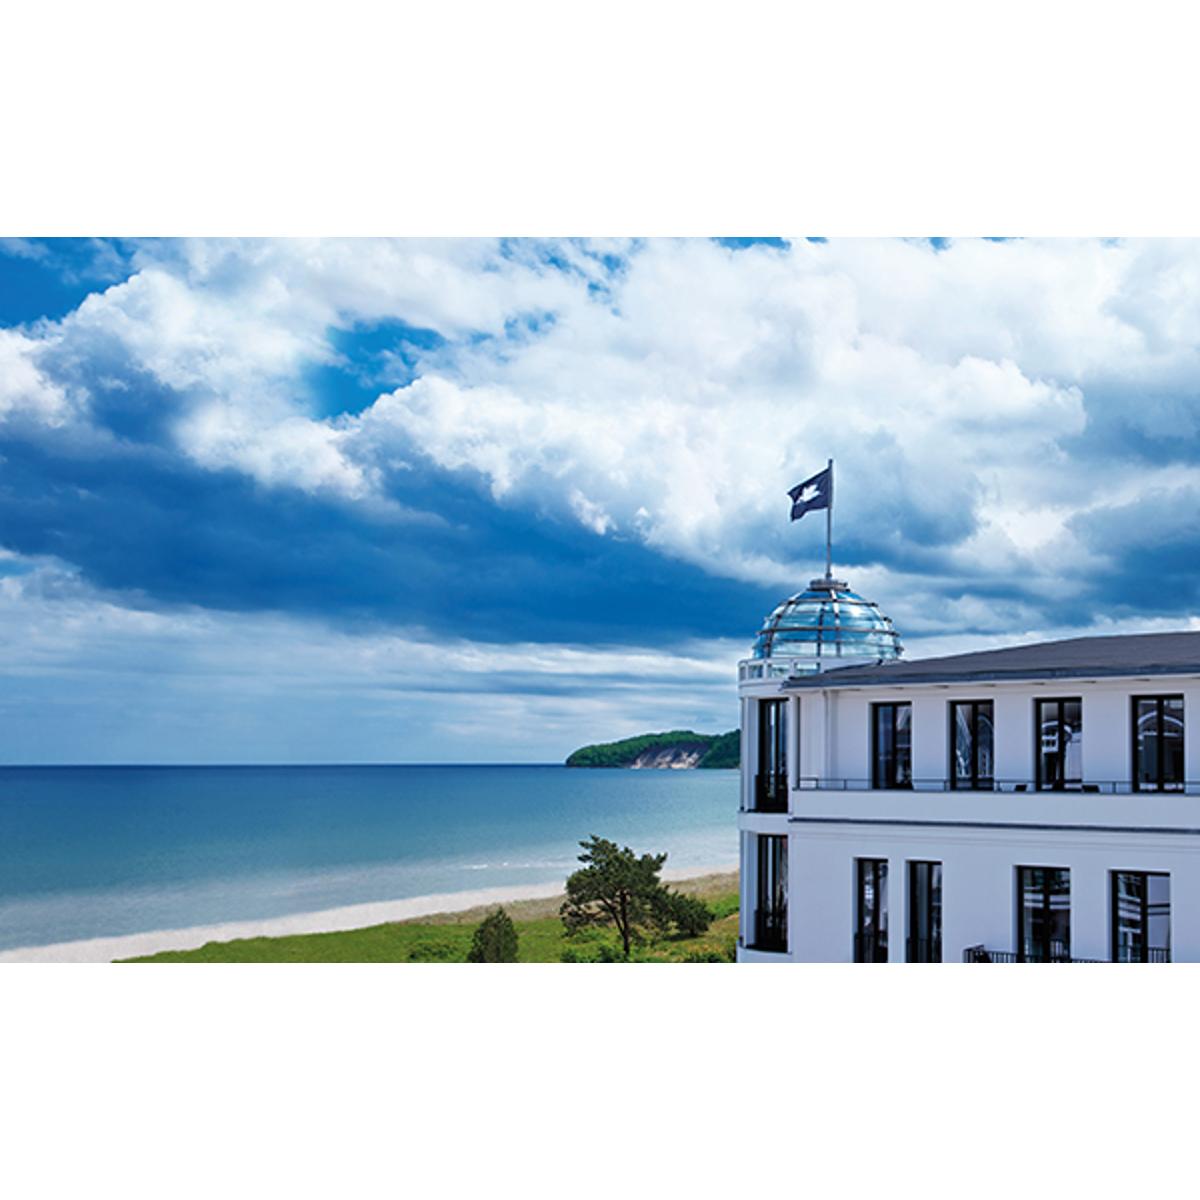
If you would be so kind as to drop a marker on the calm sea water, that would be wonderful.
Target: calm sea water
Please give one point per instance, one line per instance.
(98, 851)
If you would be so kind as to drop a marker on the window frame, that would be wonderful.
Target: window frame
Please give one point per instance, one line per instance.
(913, 938)
(1047, 908)
(974, 784)
(891, 784)
(771, 846)
(1064, 784)
(878, 868)
(1114, 912)
(1160, 709)
(770, 787)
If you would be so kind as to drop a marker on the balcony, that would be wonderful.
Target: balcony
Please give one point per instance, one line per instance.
(750, 669)
(770, 930)
(932, 801)
(1147, 954)
(1104, 787)
(1056, 952)
(771, 792)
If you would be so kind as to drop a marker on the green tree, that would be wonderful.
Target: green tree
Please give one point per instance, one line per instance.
(495, 939)
(617, 887)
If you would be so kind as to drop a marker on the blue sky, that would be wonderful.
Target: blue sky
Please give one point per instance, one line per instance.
(484, 500)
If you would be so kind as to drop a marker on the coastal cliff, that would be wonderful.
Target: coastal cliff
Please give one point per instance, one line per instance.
(681, 749)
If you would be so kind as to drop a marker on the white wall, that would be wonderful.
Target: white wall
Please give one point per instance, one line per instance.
(1144, 831)
(835, 741)
(979, 886)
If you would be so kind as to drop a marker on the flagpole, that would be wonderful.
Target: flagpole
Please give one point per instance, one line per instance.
(829, 527)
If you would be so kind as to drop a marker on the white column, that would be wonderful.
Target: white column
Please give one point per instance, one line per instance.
(794, 931)
(793, 744)
(1191, 737)
(1013, 726)
(1089, 904)
(749, 751)
(897, 908)
(930, 752)
(1107, 735)
(749, 886)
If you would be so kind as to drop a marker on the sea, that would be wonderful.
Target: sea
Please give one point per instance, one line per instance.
(90, 852)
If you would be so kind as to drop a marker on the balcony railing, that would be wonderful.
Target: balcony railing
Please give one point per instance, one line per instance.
(922, 950)
(1154, 954)
(1056, 952)
(770, 929)
(773, 668)
(770, 792)
(1109, 787)
(870, 947)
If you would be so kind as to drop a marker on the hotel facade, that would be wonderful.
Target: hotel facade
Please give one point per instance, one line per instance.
(1039, 803)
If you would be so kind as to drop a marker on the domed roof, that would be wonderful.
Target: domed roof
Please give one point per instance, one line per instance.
(827, 625)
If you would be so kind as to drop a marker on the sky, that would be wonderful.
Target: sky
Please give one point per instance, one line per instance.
(488, 500)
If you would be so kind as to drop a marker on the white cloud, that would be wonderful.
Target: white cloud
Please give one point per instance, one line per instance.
(291, 452)
(26, 394)
(675, 400)
(86, 677)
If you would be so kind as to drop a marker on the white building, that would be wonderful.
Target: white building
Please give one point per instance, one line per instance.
(1035, 803)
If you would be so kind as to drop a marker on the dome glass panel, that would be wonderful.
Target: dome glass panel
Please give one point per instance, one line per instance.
(826, 625)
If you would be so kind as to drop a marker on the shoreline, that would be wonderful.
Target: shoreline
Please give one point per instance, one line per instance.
(330, 920)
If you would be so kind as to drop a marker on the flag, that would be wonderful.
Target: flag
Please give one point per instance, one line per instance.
(813, 493)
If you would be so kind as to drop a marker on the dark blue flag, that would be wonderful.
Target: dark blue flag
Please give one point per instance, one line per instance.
(813, 493)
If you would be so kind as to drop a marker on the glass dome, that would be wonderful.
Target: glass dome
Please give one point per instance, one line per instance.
(828, 625)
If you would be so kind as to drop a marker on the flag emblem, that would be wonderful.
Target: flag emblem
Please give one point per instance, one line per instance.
(814, 493)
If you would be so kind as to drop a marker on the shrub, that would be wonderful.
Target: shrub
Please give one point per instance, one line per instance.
(495, 939)
(687, 915)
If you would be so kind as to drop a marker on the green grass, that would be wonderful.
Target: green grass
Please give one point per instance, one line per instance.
(448, 938)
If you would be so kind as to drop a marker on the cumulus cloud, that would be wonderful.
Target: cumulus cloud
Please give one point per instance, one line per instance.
(981, 400)
(26, 394)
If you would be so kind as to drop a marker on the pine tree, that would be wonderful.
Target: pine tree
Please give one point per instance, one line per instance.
(495, 939)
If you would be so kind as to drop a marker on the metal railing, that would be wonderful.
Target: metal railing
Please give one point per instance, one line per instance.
(770, 929)
(1110, 787)
(922, 950)
(777, 668)
(1056, 952)
(870, 947)
(1154, 954)
(771, 792)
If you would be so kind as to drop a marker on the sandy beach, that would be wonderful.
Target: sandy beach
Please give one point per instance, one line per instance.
(528, 900)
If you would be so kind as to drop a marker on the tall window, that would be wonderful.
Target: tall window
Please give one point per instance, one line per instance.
(972, 760)
(1158, 743)
(1060, 743)
(1141, 917)
(1044, 894)
(770, 785)
(770, 915)
(924, 912)
(891, 742)
(871, 922)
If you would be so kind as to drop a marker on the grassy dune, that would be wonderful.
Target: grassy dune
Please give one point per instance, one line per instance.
(446, 937)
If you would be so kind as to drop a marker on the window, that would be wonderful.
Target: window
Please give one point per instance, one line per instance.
(770, 916)
(924, 912)
(1158, 743)
(1044, 928)
(1141, 917)
(971, 758)
(870, 934)
(770, 785)
(1060, 743)
(891, 739)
